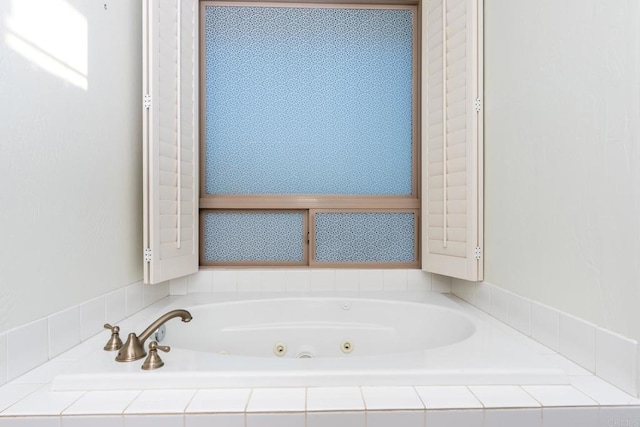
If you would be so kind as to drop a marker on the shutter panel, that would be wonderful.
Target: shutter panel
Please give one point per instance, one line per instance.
(452, 138)
(170, 134)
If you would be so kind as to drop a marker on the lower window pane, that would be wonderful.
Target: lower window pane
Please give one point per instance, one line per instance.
(365, 237)
(245, 237)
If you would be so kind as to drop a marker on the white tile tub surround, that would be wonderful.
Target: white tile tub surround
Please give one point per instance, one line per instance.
(616, 359)
(222, 401)
(578, 341)
(545, 325)
(112, 402)
(448, 397)
(304, 281)
(277, 400)
(64, 330)
(29, 346)
(160, 402)
(564, 417)
(608, 355)
(425, 406)
(334, 399)
(504, 397)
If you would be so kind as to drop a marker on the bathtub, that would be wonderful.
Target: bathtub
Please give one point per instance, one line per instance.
(391, 339)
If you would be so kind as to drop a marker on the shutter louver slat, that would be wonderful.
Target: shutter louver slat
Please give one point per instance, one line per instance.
(170, 69)
(451, 140)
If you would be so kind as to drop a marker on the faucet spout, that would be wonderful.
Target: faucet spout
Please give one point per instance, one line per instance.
(133, 349)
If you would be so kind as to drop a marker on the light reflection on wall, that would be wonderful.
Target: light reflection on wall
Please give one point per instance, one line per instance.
(51, 34)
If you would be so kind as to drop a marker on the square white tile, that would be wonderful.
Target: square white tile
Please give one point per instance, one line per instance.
(298, 280)
(92, 317)
(391, 398)
(347, 280)
(160, 402)
(334, 399)
(224, 281)
(511, 418)
(102, 402)
(202, 281)
(499, 303)
(336, 419)
(154, 421)
(418, 280)
(219, 400)
(30, 422)
(503, 396)
(394, 280)
(559, 395)
(274, 281)
(277, 400)
(93, 421)
(134, 298)
(178, 286)
(13, 392)
(519, 313)
(44, 402)
(64, 330)
(545, 325)
(628, 416)
(322, 280)
(214, 420)
(447, 397)
(441, 284)
(27, 347)
(566, 417)
(454, 418)
(483, 296)
(116, 305)
(578, 341)
(616, 360)
(249, 280)
(601, 391)
(395, 418)
(464, 290)
(371, 280)
(44, 373)
(276, 420)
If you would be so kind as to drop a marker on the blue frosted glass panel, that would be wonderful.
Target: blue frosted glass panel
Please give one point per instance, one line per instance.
(252, 236)
(308, 100)
(365, 237)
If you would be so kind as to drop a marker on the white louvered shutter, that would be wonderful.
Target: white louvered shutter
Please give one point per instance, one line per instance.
(452, 138)
(170, 134)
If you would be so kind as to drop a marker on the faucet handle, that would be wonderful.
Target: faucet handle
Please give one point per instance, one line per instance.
(153, 361)
(114, 343)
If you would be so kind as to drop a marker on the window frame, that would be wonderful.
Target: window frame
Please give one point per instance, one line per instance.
(320, 202)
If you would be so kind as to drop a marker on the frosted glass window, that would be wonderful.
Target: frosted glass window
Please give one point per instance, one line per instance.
(365, 237)
(308, 100)
(253, 236)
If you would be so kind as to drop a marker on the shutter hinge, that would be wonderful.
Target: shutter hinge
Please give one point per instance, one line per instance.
(147, 255)
(146, 101)
(477, 252)
(478, 105)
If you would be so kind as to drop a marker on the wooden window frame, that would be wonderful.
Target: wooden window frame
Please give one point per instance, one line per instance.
(313, 203)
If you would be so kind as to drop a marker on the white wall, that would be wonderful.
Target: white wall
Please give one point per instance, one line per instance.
(562, 155)
(70, 153)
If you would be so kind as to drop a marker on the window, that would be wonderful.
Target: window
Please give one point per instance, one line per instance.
(310, 107)
(347, 217)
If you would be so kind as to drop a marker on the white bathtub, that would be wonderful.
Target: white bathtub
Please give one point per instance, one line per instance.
(394, 339)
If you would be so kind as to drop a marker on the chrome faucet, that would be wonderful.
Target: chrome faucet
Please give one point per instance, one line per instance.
(133, 349)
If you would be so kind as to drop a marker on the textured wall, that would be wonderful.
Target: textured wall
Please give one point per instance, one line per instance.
(70, 154)
(562, 141)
